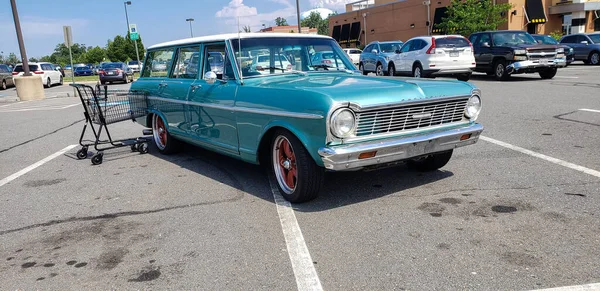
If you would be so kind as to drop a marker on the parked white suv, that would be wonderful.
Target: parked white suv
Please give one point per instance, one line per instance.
(50, 74)
(438, 55)
(354, 54)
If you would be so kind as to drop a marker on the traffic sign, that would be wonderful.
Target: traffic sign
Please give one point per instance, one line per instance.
(68, 36)
(134, 36)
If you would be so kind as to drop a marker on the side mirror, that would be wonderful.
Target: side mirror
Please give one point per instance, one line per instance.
(539, 41)
(374, 51)
(397, 51)
(210, 77)
(585, 42)
(485, 44)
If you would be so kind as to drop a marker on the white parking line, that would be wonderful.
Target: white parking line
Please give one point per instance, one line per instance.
(302, 263)
(15, 103)
(589, 110)
(587, 287)
(32, 167)
(566, 77)
(38, 108)
(543, 157)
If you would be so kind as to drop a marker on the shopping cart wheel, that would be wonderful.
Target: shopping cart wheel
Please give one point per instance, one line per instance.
(134, 147)
(82, 153)
(143, 148)
(97, 158)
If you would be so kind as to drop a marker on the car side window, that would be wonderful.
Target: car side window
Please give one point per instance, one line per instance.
(3, 69)
(581, 38)
(569, 39)
(186, 66)
(216, 60)
(369, 48)
(406, 47)
(418, 44)
(158, 63)
(483, 38)
(473, 38)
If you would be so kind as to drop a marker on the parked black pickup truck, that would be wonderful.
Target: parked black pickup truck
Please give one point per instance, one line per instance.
(506, 52)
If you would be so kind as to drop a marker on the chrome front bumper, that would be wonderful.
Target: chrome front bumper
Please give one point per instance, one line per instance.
(346, 157)
(531, 65)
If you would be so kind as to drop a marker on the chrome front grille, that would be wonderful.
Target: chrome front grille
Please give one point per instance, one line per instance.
(406, 117)
(541, 54)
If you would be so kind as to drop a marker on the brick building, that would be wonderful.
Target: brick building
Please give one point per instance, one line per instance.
(369, 20)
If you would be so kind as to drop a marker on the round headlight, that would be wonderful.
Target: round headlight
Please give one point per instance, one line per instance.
(343, 123)
(473, 107)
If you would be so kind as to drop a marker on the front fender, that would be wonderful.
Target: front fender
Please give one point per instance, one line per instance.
(312, 139)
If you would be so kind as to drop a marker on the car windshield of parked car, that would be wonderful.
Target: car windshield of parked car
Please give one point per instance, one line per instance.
(19, 68)
(545, 39)
(112, 66)
(595, 38)
(450, 42)
(277, 55)
(513, 38)
(390, 47)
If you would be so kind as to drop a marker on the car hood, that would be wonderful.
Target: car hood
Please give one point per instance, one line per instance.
(535, 46)
(366, 90)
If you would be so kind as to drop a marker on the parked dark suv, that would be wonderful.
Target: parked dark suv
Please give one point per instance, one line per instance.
(586, 46)
(503, 53)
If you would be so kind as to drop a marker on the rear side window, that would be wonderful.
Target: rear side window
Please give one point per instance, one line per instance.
(19, 68)
(3, 69)
(187, 65)
(450, 42)
(158, 63)
(569, 39)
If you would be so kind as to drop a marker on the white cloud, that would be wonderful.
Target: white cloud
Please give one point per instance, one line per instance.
(335, 5)
(236, 8)
(249, 16)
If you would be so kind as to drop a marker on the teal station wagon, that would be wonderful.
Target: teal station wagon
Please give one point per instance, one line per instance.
(298, 117)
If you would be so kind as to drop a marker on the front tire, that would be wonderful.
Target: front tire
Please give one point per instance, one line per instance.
(392, 70)
(361, 67)
(548, 73)
(464, 77)
(61, 81)
(500, 71)
(379, 70)
(163, 140)
(3, 87)
(431, 162)
(299, 178)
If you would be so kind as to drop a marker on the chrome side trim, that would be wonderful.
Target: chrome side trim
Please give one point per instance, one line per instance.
(241, 109)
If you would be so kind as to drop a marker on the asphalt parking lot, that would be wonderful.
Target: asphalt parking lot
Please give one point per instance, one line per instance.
(516, 211)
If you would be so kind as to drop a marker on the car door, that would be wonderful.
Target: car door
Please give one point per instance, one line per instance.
(416, 53)
(583, 49)
(571, 41)
(483, 51)
(402, 57)
(212, 119)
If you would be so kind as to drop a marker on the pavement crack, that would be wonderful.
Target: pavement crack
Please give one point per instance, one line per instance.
(39, 137)
(237, 197)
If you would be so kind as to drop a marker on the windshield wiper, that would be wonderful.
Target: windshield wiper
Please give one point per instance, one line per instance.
(326, 67)
(272, 68)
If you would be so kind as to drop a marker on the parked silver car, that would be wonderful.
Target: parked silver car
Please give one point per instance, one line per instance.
(586, 46)
(378, 56)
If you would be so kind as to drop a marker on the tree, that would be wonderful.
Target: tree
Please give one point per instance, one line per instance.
(246, 28)
(117, 50)
(280, 21)
(468, 16)
(12, 59)
(95, 55)
(314, 20)
(33, 60)
(130, 48)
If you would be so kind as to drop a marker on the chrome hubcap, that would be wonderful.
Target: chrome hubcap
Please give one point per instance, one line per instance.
(500, 70)
(379, 70)
(287, 164)
(595, 58)
(418, 72)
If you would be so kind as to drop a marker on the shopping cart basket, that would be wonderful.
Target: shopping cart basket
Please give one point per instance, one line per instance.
(103, 107)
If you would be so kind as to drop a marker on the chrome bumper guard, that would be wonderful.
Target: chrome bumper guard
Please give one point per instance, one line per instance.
(346, 157)
(524, 65)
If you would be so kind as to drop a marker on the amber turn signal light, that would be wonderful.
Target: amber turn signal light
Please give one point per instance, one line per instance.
(465, 136)
(367, 155)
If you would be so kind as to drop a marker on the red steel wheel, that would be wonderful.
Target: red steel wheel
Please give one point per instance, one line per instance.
(286, 170)
(165, 143)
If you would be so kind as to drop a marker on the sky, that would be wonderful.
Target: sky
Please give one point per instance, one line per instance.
(95, 22)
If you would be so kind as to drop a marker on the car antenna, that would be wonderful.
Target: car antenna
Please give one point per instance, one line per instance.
(239, 59)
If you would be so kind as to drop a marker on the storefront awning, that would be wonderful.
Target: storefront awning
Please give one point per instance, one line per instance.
(534, 11)
(345, 34)
(336, 32)
(354, 31)
(440, 13)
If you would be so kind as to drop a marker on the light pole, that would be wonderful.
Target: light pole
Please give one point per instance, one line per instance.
(137, 54)
(190, 21)
(298, 15)
(24, 59)
(365, 21)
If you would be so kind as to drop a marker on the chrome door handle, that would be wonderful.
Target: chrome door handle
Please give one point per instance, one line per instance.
(194, 87)
(163, 85)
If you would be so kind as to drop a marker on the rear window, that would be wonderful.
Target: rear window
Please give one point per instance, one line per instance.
(19, 68)
(446, 42)
(132, 63)
(112, 66)
(4, 69)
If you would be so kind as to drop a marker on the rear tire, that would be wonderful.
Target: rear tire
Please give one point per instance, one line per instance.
(431, 162)
(464, 77)
(594, 58)
(391, 70)
(163, 140)
(48, 83)
(126, 80)
(3, 87)
(298, 177)
(548, 73)
(417, 71)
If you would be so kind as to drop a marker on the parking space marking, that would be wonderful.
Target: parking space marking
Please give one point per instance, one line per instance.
(39, 108)
(543, 157)
(33, 166)
(566, 77)
(302, 263)
(589, 110)
(587, 287)
(15, 103)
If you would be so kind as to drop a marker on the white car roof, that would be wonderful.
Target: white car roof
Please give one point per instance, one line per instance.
(33, 63)
(222, 37)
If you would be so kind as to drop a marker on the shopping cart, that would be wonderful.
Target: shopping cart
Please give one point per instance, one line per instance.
(103, 107)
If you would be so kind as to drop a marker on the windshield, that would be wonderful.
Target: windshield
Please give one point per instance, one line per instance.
(112, 66)
(390, 47)
(270, 56)
(450, 42)
(595, 37)
(545, 39)
(512, 38)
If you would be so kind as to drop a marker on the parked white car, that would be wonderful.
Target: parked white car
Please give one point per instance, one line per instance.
(134, 65)
(434, 56)
(50, 74)
(354, 54)
(261, 64)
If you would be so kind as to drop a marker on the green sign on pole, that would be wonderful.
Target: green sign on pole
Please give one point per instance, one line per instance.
(134, 36)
